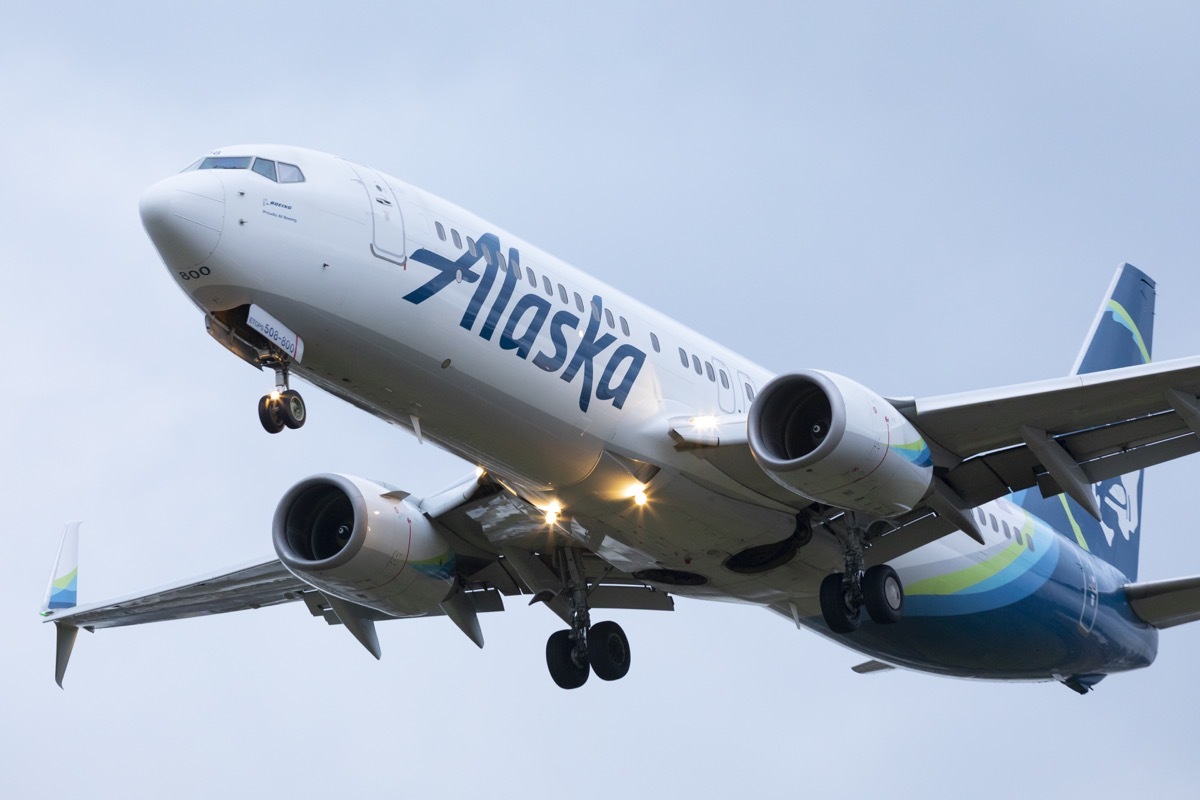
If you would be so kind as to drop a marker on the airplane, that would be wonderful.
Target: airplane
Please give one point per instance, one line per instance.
(622, 459)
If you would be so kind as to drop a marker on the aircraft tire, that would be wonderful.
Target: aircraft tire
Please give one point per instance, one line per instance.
(270, 414)
(292, 409)
(883, 594)
(608, 650)
(563, 669)
(841, 613)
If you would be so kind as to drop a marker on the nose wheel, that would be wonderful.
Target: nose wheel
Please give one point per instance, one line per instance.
(282, 408)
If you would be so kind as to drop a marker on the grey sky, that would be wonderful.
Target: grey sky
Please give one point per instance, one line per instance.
(926, 199)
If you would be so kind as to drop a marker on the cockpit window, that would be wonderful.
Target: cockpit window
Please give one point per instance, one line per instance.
(290, 173)
(271, 170)
(226, 162)
(265, 167)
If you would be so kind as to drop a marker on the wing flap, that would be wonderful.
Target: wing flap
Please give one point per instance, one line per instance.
(1165, 604)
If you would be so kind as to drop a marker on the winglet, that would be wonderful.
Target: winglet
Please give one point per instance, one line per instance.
(62, 650)
(63, 590)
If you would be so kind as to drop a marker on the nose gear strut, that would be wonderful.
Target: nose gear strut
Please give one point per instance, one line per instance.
(283, 407)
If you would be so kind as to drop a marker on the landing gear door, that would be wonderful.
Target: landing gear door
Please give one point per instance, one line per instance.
(387, 238)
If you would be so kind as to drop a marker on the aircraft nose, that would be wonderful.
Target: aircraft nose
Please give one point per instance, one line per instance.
(184, 215)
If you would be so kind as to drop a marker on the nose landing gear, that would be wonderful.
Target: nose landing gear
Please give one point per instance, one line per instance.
(284, 407)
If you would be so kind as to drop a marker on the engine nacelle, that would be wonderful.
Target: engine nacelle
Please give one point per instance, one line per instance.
(362, 542)
(834, 441)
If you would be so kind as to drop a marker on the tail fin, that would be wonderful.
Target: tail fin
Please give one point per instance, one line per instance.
(63, 591)
(1121, 336)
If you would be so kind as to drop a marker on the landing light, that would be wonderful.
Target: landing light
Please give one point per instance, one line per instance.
(704, 422)
(551, 517)
(275, 395)
(640, 498)
(479, 472)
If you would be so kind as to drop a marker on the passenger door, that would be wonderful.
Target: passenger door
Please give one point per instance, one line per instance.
(387, 238)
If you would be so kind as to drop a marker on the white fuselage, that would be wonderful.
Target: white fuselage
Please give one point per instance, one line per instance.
(539, 373)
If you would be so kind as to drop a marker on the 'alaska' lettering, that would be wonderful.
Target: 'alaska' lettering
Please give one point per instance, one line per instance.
(521, 323)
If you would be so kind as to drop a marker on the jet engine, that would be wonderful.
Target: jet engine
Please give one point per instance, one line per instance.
(361, 542)
(836, 442)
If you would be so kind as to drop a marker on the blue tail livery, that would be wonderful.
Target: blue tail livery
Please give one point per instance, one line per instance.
(1121, 336)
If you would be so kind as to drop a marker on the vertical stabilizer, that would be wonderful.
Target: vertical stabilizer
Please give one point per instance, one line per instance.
(1121, 336)
(63, 591)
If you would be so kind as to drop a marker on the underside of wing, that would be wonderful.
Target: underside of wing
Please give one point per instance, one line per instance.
(993, 442)
(253, 586)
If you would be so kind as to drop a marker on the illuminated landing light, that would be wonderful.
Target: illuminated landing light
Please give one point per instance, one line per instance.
(275, 394)
(551, 517)
(640, 498)
(704, 422)
(552, 511)
(479, 472)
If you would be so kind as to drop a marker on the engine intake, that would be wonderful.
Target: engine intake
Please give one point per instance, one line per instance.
(834, 441)
(362, 542)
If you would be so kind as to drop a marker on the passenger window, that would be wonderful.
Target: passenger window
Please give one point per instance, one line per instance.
(709, 371)
(457, 238)
(724, 380)
(696, 364)
(441, 232)
(265, 167)
(532, 278)
(624, 326)
(500, 259)
(683, 357)
(749, 393)
(1007, 532)
(472, 248)
(290, 173)
(579, 302)
(995, 526)
(654, 342)
(562, 295)
(547, 286)
(595, 311)
(982, 516)
(488, 258)
(609, 318)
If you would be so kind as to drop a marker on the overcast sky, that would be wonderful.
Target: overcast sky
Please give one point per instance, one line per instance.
(927, 199)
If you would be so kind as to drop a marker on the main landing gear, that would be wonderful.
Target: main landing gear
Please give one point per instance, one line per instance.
(844, 595)
(284, 407)
(573, 654)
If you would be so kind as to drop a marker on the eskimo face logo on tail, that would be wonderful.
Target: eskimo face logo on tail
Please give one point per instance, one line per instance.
(521, 322)
(1120, 513)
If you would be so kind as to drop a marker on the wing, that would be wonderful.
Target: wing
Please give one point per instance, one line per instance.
(250, 586)
(1105, 424)
(1060, 435)
(502, 548)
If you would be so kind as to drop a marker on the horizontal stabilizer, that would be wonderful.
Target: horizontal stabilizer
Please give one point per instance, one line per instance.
(1164, 604)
